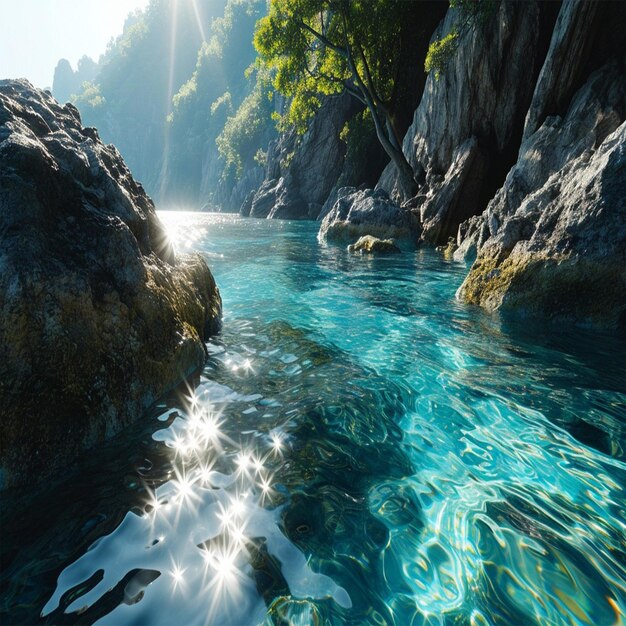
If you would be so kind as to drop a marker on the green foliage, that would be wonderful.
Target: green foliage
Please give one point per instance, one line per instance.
(205, 104)
(130, 100)
(475, 11)
(317, 48)
(223, 103)
(357, 134)
(471, 13)
(440, 52)
(260, 157)
(239, 141)
(89, 97)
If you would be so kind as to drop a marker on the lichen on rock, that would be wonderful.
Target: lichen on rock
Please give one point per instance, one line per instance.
(100, 316)
(567, 262)
(373, 245)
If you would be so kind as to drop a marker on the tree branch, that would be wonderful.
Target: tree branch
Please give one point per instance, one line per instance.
(323, 39)
(355, 92)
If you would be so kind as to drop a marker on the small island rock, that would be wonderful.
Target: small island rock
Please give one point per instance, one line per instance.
(368, 212)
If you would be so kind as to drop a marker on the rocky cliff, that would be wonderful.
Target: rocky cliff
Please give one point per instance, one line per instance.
(100, 316)
(302, 170)
(521, 138)
(552, 241)
(304, 173)
(468, 125)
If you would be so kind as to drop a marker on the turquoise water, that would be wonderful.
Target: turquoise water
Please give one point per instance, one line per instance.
(360, 449)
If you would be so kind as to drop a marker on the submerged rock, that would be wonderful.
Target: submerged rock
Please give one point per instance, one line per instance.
(371, 213)
(373, 245)
(99, 315)
(449, 249)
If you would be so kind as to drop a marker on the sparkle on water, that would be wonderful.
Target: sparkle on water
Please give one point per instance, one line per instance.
(359, 449)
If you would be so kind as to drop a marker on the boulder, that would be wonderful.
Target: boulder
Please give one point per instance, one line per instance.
(99, 315)
(560, 254)
(371, 213)
(373, 245)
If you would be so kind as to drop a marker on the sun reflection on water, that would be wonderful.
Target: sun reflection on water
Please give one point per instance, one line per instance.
(420, 466)
(220, 493)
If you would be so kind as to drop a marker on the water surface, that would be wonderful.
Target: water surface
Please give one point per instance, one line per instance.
(359, 449)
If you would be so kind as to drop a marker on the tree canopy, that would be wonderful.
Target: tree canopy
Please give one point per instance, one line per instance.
(319, 48)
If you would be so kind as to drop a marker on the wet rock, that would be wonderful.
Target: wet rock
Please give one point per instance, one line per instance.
(99, 315)
(373, 245)
(371, 213)
(561, 253)
(449, 249)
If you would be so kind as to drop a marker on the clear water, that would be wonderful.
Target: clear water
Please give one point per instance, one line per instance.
(360, 449)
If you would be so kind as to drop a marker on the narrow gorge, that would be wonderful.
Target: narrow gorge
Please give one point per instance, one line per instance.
(313, 313)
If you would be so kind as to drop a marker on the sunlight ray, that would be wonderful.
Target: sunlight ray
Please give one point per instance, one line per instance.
(196, 11)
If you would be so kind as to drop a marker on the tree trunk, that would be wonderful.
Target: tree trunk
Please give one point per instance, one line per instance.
(406, 177)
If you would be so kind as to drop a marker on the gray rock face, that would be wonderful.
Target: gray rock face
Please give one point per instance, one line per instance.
(466, 130)
(572, 43)
(368, 212)
(596, 110)
(553, 239)
(99, 316)
(229, 196)
(302, 170)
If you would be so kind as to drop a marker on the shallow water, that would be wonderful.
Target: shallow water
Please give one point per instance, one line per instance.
(360, 449)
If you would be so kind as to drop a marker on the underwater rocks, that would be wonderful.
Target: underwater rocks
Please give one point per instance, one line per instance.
(99, 315)
(367, 212)
(373, 245)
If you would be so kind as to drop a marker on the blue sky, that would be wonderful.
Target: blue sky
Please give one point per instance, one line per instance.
(35, 34)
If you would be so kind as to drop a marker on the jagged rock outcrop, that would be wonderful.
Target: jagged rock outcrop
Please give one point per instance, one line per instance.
(568, 260)
(302, 170)
(67, 82)
(99, 315)
(467, 127)
(227, 195)
(359, 213)
(553, 239)
(584, 36)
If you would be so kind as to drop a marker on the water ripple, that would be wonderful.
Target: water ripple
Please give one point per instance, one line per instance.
(360, 449)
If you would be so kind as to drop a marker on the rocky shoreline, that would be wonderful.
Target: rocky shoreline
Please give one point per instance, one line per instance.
(521, 141)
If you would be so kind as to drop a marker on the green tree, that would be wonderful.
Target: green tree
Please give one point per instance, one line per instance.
(323, 47)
